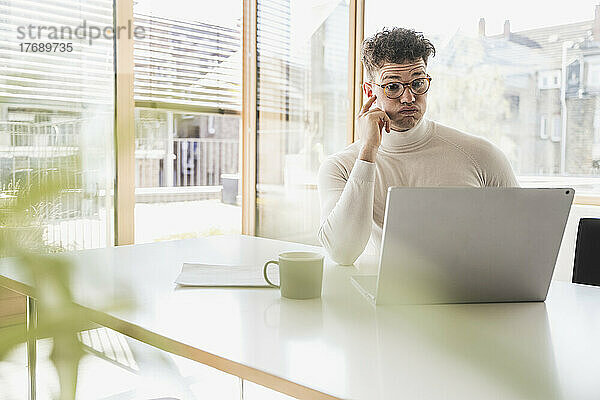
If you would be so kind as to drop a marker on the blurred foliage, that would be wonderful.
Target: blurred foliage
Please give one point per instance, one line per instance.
(24, 206)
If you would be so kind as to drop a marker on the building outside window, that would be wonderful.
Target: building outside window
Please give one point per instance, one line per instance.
(502, 79)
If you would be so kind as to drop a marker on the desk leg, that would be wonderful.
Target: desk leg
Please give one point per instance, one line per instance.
(31, 345)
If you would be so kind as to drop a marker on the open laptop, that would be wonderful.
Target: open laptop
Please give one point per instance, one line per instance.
(467, 245)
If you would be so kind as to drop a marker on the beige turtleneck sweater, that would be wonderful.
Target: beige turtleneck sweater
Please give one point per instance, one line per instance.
(353, 192)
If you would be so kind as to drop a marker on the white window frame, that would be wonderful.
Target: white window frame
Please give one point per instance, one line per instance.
(549, 79)
(544, 127)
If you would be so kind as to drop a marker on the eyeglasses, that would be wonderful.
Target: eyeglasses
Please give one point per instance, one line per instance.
(393, 90)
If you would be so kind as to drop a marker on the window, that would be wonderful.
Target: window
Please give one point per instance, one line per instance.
(56, 113)
(187, 119)
(302, 82)
(597, 126)
(596, 143)
(556, 128)
(482, 67)
(593, 79)
(549, 79)
(543, 127)
(514, 105)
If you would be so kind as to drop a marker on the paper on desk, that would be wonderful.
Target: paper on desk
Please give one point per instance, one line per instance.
(207, 275)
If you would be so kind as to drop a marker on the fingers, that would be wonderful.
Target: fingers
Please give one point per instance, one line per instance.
(384, 123)
(384, 120)
(367, 105)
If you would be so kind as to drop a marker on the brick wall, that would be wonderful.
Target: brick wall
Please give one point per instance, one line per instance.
(580, 131)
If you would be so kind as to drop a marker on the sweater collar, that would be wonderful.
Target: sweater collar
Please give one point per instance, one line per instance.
(400, 142)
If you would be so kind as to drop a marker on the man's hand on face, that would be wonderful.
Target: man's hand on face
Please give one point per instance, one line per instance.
(369, 125)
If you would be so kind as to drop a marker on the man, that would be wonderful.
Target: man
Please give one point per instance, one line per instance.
(397, 146)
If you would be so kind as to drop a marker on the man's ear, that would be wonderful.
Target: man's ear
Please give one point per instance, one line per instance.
(368, 89)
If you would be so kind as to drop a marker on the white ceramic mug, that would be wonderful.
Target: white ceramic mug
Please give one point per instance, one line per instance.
(300, 274)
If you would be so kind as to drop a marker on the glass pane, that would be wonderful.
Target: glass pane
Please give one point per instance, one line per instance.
(521, 74)
(57, 111)
(187, 119)
(302, 79)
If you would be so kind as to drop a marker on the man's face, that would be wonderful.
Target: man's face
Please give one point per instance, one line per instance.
(408, 109)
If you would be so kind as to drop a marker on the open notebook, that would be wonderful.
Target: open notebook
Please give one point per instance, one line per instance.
(208, 275)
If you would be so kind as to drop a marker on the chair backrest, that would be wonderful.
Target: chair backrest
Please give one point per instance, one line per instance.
(586, 268)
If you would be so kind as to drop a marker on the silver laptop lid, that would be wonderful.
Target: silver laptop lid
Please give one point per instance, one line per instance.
(461, 245)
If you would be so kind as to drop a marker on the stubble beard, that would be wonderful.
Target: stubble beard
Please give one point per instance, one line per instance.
(406, 123)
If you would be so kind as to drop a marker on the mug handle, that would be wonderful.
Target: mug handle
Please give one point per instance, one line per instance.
(265, 272)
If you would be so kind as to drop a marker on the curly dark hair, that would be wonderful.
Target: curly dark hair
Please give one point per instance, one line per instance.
(395, 45)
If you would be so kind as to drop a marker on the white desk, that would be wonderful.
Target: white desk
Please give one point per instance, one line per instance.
(340, 346)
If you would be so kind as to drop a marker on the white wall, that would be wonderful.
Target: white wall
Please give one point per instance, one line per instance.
(564, 264)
